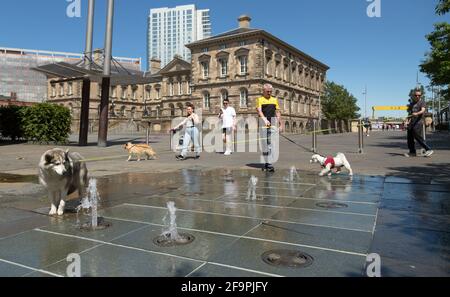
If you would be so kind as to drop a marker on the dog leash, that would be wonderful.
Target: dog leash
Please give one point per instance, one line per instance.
(293, 142)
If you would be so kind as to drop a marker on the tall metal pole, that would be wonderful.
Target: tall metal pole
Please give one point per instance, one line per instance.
(365, 103)
(106, 81)
(86, 85)
(89, 35)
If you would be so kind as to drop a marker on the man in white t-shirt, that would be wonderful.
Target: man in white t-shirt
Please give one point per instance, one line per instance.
(228, 116)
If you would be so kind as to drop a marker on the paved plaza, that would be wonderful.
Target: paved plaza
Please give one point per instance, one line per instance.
(394, 206)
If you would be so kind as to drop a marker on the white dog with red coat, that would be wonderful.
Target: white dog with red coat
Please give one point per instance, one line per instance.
(329, 163)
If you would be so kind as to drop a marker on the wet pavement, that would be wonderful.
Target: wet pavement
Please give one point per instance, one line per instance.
(336, 220)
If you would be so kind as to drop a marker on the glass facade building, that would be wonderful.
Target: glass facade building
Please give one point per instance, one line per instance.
(17, 76)
(169, 29)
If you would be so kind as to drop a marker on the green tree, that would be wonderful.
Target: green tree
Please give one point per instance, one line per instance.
(437, 62)
(443, 7)
(338, 103)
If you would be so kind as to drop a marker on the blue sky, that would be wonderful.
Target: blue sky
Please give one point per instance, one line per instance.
(382, 53)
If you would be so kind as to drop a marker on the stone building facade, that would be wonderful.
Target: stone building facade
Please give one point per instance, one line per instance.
(238, 63)
(233, 65)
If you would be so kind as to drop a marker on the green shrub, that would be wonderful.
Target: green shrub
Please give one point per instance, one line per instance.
(46, 123)
(10, 122)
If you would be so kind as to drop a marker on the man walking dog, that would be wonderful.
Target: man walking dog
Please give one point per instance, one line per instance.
(270, 114)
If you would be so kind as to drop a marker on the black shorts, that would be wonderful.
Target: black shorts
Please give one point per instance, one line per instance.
(226, 130)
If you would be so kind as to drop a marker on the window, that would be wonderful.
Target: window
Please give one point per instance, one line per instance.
(70, 88)
(222, 46)
(206, 100)
(61, 89)
(147, 93)
(189, 89)
(134, 93)
(244, 98)
(124, 92)
(158, 94)
(243, 64)
(205, 50)
(205, 69)
(277, 69)
(242, 43)
(171, 89)
(223, 67)
(53, 92)
(114, 92)
(180, 88)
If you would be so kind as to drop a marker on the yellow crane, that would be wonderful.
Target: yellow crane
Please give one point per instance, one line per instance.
(377, 108)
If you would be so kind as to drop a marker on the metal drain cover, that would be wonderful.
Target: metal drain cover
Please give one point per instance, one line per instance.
(101, 225)
(331, 205)
(165, 241)
(287, 258)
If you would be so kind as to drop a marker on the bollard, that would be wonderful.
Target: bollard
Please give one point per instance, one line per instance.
(314, 138)
(361, 137)
(235, 140)
(424, 132)
(148, 135)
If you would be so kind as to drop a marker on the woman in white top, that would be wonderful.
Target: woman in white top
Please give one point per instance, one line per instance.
(191, 122)
(228, 116)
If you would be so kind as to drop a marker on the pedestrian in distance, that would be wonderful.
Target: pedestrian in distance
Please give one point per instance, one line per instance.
(192, 124)
(228, 116)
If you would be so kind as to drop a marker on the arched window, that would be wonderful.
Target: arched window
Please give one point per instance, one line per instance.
(287, 102)
(148, 90)
(122, 111)
(61, 89)
(170, 88)
(134, 92)
(172, 110)
(206, 100)
(243, 61)
(223, 67)
(243, 102)
(205, 69)
(133, 113)
(53, 92)
(124, 92)
(70, 88)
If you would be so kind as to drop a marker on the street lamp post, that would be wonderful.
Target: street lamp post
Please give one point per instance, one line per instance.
(365, 102)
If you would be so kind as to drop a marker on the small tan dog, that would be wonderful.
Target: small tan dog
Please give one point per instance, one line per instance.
(139, 150)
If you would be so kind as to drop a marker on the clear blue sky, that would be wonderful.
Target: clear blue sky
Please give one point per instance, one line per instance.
(382, 53)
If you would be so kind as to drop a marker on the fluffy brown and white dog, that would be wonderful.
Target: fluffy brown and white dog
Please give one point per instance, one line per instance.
(329, 163)
(62, 173)
(139, 150)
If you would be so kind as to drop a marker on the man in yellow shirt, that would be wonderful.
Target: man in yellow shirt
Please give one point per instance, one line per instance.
(270, 114)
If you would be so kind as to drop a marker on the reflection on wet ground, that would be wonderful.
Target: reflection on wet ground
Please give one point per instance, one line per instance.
(14, 178)
(336, 220)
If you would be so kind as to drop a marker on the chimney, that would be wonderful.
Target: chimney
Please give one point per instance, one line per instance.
(13, 96)
(244, 21)
(155, 65)
(98, 57)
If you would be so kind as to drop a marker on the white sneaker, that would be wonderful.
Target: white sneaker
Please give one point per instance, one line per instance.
(429, 153)
(227, 153)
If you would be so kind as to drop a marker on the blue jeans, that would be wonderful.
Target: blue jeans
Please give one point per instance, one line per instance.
(266, 144)
(191, 134)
